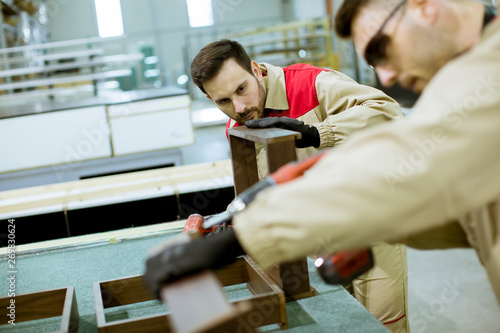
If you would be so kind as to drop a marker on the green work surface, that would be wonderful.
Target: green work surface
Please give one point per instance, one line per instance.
(332, 310)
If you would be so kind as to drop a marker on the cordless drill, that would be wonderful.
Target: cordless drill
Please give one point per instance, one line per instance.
(339, 268)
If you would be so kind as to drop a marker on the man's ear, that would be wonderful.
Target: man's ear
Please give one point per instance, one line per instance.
(424, 10)
(256, 70)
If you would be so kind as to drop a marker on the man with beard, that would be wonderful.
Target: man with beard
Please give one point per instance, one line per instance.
(431, 179)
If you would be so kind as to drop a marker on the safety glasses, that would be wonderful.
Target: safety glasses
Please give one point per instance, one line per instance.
(376, 49)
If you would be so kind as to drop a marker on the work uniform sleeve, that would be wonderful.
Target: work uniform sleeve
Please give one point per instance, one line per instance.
(347, 106)
(391, 181)
(445, 237)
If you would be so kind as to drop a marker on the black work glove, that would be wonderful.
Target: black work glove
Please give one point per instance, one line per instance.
(310, 134)
(183, 259)
(218, 229)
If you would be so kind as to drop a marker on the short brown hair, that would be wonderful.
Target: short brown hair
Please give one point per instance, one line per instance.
(346, 13)
(208, 62)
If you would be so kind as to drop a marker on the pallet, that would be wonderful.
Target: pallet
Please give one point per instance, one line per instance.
(45, 304)
(199, 301)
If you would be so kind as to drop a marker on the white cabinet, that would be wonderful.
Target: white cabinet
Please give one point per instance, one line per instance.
(66, 138)
(150, 125)
(54, 138)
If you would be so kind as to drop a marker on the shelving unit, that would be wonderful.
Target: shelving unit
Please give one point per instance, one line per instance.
(307, 41)
(51, 65)
(21, 23)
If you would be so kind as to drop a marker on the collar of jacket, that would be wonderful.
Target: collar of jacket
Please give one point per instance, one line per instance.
(274, 84)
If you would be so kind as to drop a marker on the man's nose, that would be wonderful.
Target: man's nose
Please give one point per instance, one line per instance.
(387, 77)
(239, 105)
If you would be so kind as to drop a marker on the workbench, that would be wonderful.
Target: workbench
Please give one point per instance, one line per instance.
(81, 261)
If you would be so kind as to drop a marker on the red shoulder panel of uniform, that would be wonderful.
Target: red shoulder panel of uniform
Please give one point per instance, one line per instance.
(228, 126)
(300, 81)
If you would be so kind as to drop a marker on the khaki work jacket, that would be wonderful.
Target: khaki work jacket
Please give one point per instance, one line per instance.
(410, 179)
(344, 107)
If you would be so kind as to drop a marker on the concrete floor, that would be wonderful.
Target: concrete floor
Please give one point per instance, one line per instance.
(450, 292)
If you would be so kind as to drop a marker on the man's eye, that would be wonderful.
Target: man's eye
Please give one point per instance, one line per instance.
(223, 101)
(242, 88)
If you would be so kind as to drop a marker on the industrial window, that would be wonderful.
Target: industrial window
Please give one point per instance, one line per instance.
(109, 18)
(200, 13)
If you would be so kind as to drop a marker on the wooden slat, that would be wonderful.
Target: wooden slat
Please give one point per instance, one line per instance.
(198, 304)
(258, 281)
(66, 79)
(280, 145)
(45, 304)
(70, 317)
(155, 323)
(124, 291)
(215, 168)
(269, 306)
(64, 43)
(14, 201)
(264, 136)
(72, 65)
(279, 154)
(53, 56)
(235, 273)
(268, 309)
(244, 163)
(35, 306)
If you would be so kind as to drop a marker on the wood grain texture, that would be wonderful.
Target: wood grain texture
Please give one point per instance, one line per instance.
(266, 307)
(244, 162)
(105, 187)
(45, 304)
(279, 154)
(263, 135)
(280, 150)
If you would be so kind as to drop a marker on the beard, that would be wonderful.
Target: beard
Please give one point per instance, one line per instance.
(258, 110)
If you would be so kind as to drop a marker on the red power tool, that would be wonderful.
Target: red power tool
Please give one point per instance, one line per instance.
(193, 226)
(194, 229)
(339, 268)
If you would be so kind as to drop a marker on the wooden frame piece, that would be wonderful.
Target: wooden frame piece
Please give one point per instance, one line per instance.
(280, 148)
(45, 304)
(268, 302)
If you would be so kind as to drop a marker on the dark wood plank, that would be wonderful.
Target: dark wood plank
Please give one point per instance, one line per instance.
(279, 154)
(264, 135)
(295, 278)
(33, 306)
(280, 147)
(156, 323)
(235, 273)
(244, 163)
(124, 291)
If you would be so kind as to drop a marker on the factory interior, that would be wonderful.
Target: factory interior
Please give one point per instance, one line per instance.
(108, 148)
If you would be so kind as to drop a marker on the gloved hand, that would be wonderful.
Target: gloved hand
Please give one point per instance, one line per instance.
(182, 259)
(218, 229)
(310, 135)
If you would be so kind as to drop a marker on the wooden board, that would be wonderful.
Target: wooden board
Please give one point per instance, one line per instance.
(268, 302)
(280, 147)
(104, 187)
(45, 304)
